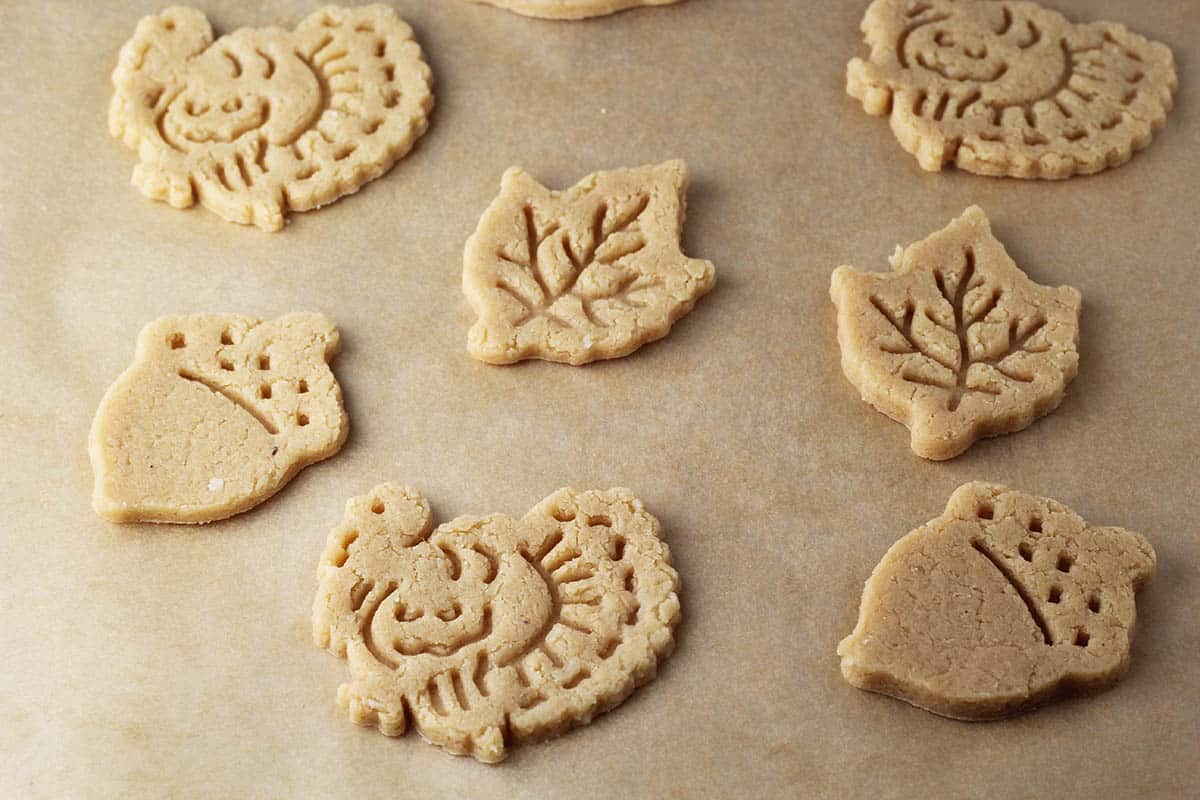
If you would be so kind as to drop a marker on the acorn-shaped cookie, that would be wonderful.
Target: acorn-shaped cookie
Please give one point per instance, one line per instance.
(493, 630)
(216, 413)
(1004, 602)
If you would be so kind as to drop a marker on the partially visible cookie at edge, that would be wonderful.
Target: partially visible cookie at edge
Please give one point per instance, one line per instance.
(590, 272)
(216, 414)
(956, 342)
(1004, 602)
(265, 121)
(1011, 88)
(570, 9)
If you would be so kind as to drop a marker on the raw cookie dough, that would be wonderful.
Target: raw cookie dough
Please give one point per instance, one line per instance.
(570, 9)
(1004, 602)
(1010, 88)
(956, 342)
(591, 272)
(263, 121)
(215, 415)
(493, 630)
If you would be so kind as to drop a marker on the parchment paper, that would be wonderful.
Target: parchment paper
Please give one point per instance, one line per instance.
(158, 661)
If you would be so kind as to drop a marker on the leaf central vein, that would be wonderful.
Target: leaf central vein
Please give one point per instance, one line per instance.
(955, 383)
(580, 256)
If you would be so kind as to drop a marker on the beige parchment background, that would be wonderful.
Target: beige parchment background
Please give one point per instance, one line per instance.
(151, 662)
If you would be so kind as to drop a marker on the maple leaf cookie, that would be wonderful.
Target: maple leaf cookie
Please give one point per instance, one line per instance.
(216, 413)
(491, 630)
(263, 121)
(591, 272)
(956, 342)
(570, 9)
(1010, 88)
(1004, 602)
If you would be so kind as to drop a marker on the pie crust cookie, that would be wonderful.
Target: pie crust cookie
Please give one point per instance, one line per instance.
(216, 413)
(956, 342)
(493, 630)
(1010, 88)
(263, 121)
(591, 272)
(570, 9)
(1004, 602)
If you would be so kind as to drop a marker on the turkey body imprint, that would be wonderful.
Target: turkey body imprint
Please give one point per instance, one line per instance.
(494, 630)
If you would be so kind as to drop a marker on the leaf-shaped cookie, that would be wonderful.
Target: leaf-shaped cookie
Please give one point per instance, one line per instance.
(1004, 602)
(1010, 88)
(570, 9)
(591, 272)
(494, 630)
(216, 413)
(956, 342)
(263, 121)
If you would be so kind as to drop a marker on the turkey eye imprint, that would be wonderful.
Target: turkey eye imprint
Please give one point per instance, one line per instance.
(403, 613)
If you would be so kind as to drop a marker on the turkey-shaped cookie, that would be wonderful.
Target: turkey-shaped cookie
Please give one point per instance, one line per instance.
(591, 272)
(1004, 602)
(494, 630)
(263, 121)
(570, 9)
(956, 342)
(216, 413)
(1010, 88)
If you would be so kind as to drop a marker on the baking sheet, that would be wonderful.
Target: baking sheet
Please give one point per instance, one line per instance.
(157, 661)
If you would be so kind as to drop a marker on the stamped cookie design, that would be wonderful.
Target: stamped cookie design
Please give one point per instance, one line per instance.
(1010, 88)
(215, 415)
(494, 630)
(591, 272)
(1004, 602)
(263, 121)
(570, 9)
(956, 342)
